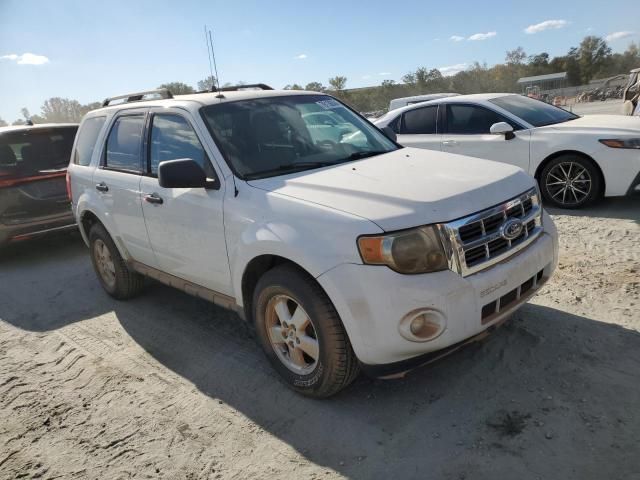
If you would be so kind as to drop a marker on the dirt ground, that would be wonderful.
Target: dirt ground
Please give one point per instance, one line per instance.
(168, 386)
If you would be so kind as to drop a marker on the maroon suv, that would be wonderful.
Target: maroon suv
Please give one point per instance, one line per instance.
(33, 193)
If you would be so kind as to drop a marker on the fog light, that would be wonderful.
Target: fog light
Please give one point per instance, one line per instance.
(422, 325)
(417, 324)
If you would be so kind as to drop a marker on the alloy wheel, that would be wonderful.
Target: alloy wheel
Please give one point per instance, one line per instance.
(568, 183)
(292, 334)
(104, 262)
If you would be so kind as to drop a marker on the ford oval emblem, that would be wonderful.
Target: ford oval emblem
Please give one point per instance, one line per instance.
(511, 229)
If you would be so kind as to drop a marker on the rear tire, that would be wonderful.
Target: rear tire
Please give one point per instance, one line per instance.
(570, 181)
(115, 277)
(316, 360)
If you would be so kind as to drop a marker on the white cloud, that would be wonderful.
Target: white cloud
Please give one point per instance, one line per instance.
(452, 69)
(456, 38)
(384, 74)
(482, 36)
(366, 77)
(302, 56)
(618, 35)
(26, 59)
(546, 25)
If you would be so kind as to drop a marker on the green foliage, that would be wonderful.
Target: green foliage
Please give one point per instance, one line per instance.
(207, 83)
(314, 87)
(178, 88)
(338, 83)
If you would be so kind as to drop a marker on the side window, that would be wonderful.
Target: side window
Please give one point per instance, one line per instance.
(172, 137)
(124, 144)
(469, 119)
(87, 137)
(420, 121)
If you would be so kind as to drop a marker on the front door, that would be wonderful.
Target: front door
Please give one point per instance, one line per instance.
(185, 225)
(467, 133)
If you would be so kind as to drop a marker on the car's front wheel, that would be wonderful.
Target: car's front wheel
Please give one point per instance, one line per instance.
(301, 333)
(570, 181)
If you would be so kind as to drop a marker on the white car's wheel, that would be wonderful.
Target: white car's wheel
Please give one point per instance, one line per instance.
(570, 181)
(301, 333)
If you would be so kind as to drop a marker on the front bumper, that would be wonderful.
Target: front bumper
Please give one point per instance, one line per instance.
(371, 301)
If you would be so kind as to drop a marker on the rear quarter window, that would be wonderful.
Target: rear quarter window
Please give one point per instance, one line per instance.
(87, 137)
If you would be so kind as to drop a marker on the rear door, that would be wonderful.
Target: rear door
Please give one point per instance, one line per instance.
(467, 132)
(419, 128)
(117, 182)
(185, 225)
(33, 164)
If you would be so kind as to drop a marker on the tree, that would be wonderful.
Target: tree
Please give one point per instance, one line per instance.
(338, 83)
(3, 123)
(178, 88)
(207, 83)
(314, 87)
(388, 83)
(61, 110)
(515, 57)
(592, 54)
(295, 86)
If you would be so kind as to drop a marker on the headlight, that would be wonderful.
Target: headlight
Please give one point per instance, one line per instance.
(633, 143)
(411, 251)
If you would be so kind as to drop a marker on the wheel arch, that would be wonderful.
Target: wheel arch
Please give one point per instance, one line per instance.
(255, 269)
(561, 153)
(88, 219)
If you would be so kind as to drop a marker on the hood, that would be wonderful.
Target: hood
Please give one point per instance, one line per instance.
(405, 188)
(602, 124)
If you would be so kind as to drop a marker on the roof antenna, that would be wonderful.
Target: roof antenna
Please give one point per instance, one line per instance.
(215, 67)
(206, 40)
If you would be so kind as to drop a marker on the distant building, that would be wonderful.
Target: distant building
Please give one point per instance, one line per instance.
(551, 81)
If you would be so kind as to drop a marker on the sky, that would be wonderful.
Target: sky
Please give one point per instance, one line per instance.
(88, 50)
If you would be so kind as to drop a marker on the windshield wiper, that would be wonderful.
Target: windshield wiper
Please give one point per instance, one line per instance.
(288, 167)
(370, 153)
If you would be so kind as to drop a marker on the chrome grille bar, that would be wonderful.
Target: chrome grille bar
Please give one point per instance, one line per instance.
(464, 238)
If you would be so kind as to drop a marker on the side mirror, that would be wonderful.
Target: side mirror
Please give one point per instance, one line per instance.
(181, 173)
(389, 133)
(503, 128)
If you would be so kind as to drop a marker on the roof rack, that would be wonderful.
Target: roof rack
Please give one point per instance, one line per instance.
(251, 86)
(138, 96)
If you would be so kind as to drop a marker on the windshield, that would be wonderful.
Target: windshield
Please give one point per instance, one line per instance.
(271, 136)
(532, 111)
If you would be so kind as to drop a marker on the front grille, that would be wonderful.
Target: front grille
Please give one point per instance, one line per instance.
(509, 298)
(480, 240)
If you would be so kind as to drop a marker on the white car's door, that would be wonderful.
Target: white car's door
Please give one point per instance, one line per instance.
(419, 128)
(466, 132)
(185, 225)
(117, 181)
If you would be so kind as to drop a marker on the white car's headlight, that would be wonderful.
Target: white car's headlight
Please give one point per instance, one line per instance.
(417, 250)
(632, 143)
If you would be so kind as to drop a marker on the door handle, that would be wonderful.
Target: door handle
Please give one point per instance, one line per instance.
(153, 198)
(449, 143)
(102, 187)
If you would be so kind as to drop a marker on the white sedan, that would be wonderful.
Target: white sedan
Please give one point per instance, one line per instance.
(576, 160)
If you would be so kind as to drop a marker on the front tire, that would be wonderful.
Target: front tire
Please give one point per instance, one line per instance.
(301, 333)
(570, 181)
(115, 277)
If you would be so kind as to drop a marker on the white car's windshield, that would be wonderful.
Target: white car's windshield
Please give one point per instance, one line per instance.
(271, 136)
(535, 112)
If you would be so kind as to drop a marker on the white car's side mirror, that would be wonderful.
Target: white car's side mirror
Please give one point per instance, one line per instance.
(502, 128)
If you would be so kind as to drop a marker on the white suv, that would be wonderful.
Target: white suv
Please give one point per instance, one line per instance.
(344, 255)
